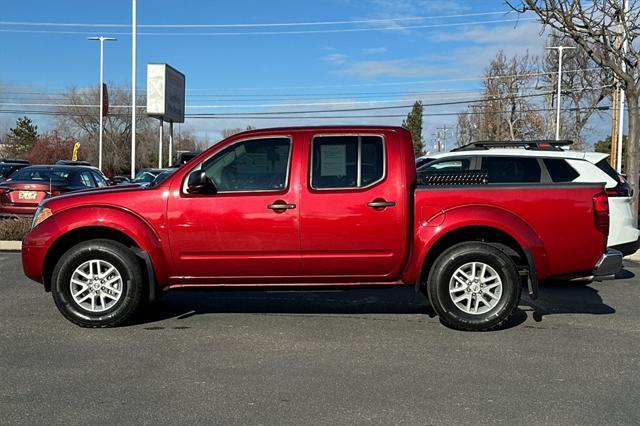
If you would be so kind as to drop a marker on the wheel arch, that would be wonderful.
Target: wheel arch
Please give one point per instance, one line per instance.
(78, 225)
(493, 225)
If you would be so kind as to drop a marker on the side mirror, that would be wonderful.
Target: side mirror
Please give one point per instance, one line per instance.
(200, 183)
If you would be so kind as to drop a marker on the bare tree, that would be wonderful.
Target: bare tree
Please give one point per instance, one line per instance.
(82, 123)
(232, 131)
(505, 111)
(585, 86)
(592, 26)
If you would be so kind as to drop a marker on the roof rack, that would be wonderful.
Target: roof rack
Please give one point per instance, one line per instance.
(537, 145)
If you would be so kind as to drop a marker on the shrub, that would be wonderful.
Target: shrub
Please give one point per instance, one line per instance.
(14, 229)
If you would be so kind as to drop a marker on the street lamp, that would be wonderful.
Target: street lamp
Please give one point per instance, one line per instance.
(560, 51)
(134, 28)
(101, 39)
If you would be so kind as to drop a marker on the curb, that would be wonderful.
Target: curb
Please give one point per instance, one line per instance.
(635, 256)
(10, 245)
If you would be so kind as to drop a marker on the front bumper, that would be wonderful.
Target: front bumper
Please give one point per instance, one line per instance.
(609, 264)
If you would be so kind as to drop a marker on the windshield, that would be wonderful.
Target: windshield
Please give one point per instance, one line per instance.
(41, 174)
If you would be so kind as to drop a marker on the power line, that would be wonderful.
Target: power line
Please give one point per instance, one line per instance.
(338, 86)
(248, 25)
(259, 117)
(263, 33)
(272, 113)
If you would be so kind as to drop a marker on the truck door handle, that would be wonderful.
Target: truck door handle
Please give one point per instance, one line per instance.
(281, 205)
(380, 203)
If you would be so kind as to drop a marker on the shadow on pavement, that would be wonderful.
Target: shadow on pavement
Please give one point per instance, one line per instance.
(569, 297)
(556, 297)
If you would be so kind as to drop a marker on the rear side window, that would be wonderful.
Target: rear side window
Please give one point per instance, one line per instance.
(347, 161)
(87, 180)
(610, 171)
(448, 165)
(511, 169)
(559, 170)
(99, 180)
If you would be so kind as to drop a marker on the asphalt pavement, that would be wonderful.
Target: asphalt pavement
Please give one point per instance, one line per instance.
(336, 357)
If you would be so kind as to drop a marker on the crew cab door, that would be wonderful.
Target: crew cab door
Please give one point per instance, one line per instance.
(249, 230)
(354, 211)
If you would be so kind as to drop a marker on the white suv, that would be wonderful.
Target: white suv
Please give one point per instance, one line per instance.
(546, 162)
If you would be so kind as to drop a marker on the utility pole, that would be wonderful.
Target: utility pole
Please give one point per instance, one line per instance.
(625, 47)
(613, 158)
(443, 135)
(561, 50)
(101, 39)
(133, 88)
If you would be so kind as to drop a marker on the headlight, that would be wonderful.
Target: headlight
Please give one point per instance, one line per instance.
(42, 213)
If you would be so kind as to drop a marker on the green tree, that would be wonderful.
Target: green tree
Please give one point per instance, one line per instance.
(22, 138)
(604, 145)
(413, 123)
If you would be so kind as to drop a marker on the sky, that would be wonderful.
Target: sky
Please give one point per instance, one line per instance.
(261, 56)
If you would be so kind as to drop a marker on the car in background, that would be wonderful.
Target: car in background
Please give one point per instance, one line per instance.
(9, 166)
(162, 176)
(121, 180)
(145, 176)
(73, 163)
(529, 162)
(21, 194)
(185, 157)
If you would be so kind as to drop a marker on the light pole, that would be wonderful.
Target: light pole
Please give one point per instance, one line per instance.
(625, 48)
(101, 39)
(133, 89)
(560, 51)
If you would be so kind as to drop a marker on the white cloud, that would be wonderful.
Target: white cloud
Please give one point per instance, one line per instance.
(374, 50)
(389, 68)
(335, 58)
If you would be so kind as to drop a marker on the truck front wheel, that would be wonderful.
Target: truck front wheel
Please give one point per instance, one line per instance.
(474, 286)
(97, 283)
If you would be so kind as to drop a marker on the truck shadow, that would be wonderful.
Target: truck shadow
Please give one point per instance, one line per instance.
(555, 298)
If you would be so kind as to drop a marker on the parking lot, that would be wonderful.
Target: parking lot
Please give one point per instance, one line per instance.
(357, 356)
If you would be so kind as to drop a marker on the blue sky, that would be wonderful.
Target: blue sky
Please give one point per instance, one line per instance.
(368, 65)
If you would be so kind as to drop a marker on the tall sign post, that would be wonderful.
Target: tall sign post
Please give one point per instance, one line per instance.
(165, 100)
(104, 99)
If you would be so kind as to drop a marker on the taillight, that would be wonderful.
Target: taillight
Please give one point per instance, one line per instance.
(618, 191)
(601, 212)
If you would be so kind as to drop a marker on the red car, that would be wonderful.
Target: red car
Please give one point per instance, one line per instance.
(317, 206)
(26, 188)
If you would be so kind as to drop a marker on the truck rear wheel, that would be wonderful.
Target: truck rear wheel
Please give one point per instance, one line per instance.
(97, 283)
(474, 286)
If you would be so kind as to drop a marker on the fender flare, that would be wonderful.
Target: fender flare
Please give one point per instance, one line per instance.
(112, 218)
(432, 230)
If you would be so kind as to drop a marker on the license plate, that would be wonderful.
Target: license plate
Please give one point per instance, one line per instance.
(27, 195)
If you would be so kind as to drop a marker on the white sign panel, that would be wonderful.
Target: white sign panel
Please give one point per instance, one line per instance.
(333, 160)
(165, 93)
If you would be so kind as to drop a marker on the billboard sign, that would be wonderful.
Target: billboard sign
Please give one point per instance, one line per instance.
(165, 93)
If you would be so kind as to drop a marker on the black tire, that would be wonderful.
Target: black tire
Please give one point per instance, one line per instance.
(442, 272)
(126, 264)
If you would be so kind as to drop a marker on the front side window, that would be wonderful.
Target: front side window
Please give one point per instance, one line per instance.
(251, 165)
(511, 169)
(353, 161)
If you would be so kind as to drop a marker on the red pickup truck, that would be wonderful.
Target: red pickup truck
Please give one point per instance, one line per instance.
(316, 207)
